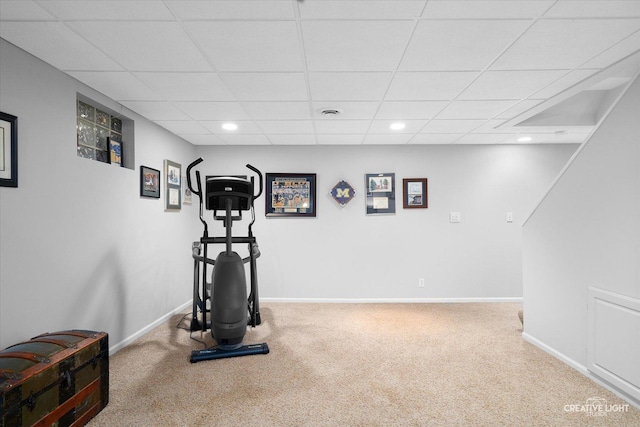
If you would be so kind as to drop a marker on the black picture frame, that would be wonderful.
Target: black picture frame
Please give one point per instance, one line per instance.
(8, 150)
(149, 182)
(381, 193)
(415, 193)
(290, 195)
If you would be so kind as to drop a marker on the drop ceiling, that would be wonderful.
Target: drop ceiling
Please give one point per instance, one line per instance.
(453, 72)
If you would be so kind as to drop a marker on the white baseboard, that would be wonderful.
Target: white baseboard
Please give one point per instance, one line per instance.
(122, 344)
(390, 300)
(580, 368)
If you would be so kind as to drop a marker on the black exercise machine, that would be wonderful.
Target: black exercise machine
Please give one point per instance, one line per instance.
(222, 305)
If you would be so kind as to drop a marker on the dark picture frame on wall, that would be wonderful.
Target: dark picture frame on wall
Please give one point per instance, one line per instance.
(173, 188)
(290, 195)
(415, 193)
(381, 193)
(149, 182)
(8, 150)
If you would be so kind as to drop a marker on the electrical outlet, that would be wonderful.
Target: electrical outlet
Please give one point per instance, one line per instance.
(509, 216)
(454, 216)
(421, 283)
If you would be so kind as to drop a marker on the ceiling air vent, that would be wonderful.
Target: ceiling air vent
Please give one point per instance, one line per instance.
(330, 112)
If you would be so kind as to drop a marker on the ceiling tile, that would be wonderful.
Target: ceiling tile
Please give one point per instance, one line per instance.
(156, 110)
(286, 126)
(23, 10)
(410, 109)
(61, 47)
(355, 45)
(348, 86)
(342, 126)
(249, 45)
(428, 85)
(266, 86)
(143, 45)
(494, 126)
(141, 10)
(595, 9)
(474, 109)
(617, 52)
(187, 86)
(231, 9)
(518, 108)
(459, 45)
(349, 110)
(451, 126)
(455, 71)
(510, 84)
(478, 9)
(564, 43)
(278, 110)
(118, 85)
(212, 110)
(183, 127)
(374, 9)
(563, 83)
(305, 139)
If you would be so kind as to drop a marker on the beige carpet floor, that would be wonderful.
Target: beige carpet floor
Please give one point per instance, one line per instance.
(358, 365)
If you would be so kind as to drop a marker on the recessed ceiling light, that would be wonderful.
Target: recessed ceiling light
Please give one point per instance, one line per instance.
(229, 126)
(524, 139)
(397, 126)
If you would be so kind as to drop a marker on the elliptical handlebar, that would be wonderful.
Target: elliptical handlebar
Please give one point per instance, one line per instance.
(260, 176)
(198, 192)
(191, 166)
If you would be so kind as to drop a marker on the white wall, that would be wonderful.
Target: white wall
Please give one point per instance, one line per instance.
(345, 254)
(585, 235)
(79, 248)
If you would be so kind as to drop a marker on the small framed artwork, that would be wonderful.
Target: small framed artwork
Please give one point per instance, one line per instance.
(186, 200)
(8, 150)
(115, 152)
(343, 193)
(173, 189)
(381, 193)
(149, 182)
(415, 193)
(290, 195)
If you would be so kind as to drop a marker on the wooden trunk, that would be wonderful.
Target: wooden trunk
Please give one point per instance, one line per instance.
(59, 379)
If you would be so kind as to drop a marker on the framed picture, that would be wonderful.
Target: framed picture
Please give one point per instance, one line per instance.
(415, 193)
(149, 182)
(186, 200)
(290, 194)
(343, 193)
(381, 193)
(115, 151)
(173, 192)
(8, 150)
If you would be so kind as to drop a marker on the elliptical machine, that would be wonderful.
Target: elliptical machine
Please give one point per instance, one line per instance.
(229, 311)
